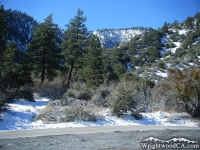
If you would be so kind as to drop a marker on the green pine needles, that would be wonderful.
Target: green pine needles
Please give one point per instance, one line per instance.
(44, 51)
(92, 69)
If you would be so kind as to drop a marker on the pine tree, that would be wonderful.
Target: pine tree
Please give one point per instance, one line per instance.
(114, 63)
(2, 34)
(74, 43)
(44, 50)
(10, 58)
(189, 22)
(92, 70)
(14, 75)
(15, 69)
(164, 28)
(118, 62)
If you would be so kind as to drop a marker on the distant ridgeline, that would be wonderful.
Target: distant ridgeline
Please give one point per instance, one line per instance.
(19, 27)
(169, 36)
(110, 37)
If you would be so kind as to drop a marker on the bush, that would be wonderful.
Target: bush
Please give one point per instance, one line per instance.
(184, 85)
(170, 45)
(174, 38)
(124, 102)
(85, 95)
(128, 77)
(119, 69)
(71, 94)
(163, 99)
(167, 53)
(161, 64)
(100, 98)
(79, 91)
(136, 115)
(73, 110)
(81, 95)
(53, 89)
(179, 52)
(77, 113)
(24, 94)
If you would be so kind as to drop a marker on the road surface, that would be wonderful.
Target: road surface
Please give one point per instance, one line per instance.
(90, 138)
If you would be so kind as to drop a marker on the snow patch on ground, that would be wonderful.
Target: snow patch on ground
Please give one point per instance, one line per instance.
(196, 41)
(21, 114)
(183, 31)
(162, 74)
(165, 38)
(21, 117)
(178, 44)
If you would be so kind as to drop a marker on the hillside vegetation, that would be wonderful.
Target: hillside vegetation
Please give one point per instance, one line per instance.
(150, 69)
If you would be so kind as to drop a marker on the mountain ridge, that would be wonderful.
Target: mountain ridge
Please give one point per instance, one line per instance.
(109, 38)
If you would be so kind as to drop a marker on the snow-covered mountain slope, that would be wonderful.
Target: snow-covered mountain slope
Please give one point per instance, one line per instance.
(176, 40)
(20, 27)
(109, 38)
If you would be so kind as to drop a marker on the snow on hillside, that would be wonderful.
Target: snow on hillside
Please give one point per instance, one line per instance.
(108, 38)
(162, 74)
(165, 39)
(21, 116)
(173, 50)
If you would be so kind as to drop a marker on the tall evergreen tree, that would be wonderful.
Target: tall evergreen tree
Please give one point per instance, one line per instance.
(189, 22)
(115, 63)
(44, 50)
(10, 59)
(92, 70)
(74, 42)
(165, 28)
(15, 69)
(14, 75)
(2, 33)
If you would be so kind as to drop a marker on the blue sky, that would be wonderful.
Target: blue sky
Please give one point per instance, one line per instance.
(109, 13)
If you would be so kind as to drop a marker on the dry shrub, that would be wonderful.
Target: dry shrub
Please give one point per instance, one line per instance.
(105, 95)
(53, 89)
(79, 91)
(101, 97)
(73, 110)
(184, 85)
(163, 100)
(51, 112)
(77, 113)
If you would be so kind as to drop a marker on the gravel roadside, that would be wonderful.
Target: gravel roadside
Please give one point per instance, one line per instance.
(118, 140)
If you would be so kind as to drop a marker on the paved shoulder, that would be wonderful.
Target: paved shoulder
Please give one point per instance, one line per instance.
(87, 130)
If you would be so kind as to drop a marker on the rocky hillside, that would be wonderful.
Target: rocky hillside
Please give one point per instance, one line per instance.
(111, 37)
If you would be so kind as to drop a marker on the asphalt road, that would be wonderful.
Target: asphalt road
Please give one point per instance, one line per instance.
(87, 130)
(91, 138)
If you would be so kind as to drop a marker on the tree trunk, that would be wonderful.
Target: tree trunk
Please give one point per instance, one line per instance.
(70, 74)
(43, 65)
